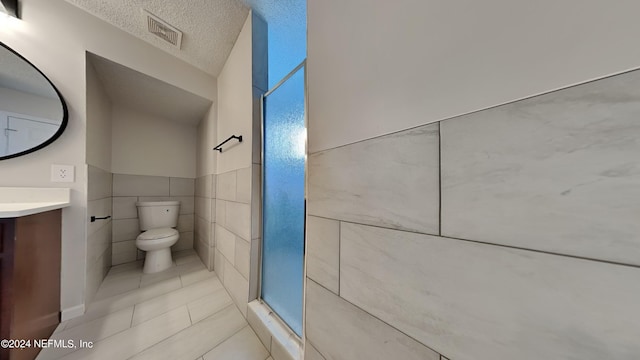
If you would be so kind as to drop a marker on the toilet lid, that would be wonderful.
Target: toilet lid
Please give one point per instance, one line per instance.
(154, 234)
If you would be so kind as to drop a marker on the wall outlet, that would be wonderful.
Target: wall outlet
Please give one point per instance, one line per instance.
(62, 173)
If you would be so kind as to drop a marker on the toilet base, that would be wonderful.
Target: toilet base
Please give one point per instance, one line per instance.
(157, 260)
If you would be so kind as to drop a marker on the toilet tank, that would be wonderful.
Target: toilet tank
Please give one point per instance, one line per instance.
(158, 214)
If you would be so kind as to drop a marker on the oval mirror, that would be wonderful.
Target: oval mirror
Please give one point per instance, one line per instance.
(32, 112)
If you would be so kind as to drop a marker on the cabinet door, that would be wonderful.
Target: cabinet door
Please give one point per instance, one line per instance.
(7, 235)
(36, 279)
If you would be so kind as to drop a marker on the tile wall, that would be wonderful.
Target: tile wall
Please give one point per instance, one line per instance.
(205, 216)
(237, 234)
(510, 233)
(127, 190)
(99, 233)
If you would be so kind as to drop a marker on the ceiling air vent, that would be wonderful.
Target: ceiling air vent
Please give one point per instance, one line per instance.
(163, 30)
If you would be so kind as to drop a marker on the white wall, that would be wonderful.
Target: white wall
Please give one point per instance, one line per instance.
(235, 111)
(60, 54)
(146, 145)
(98, 122)
(233, 189)
(28, 104)
(378, 67)
(206, 159)
(99, 181)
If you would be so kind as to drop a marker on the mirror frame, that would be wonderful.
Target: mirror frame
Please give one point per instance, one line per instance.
(65, 111)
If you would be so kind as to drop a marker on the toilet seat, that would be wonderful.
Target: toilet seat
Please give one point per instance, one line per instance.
(156, 234)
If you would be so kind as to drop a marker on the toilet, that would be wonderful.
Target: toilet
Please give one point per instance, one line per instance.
(158, 220)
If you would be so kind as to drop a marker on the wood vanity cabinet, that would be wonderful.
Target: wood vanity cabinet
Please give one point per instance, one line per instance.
(29, 280)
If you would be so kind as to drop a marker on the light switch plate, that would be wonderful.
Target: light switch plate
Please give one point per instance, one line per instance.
(62, 173)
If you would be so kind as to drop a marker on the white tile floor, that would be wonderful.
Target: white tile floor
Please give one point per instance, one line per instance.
(183, 313)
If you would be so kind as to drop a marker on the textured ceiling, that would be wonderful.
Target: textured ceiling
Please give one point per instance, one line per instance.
(136, 90)
(210, 27)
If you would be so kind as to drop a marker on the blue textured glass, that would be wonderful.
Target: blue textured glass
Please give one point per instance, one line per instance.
(283, 200)
(287, 31)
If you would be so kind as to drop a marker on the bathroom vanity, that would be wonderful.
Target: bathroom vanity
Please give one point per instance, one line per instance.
(30, 247)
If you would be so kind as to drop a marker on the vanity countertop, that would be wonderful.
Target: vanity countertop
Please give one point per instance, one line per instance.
(19, 201)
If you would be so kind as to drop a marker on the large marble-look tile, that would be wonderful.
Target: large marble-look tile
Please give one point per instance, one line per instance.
(99, 208)
(323, 252)
(242, 260)
(129, 269)
(226, 186)
(127, 343)
(181, 187)
(139, 185)
(237, 286)
(203, 186)
(98, 263)
(390, 181)
(195, 276)
(125, 229)
(221, 211)
(117, 286)
(123, 252)
(92, 331)
(218, 263)
(154, 198)
(244, 345)
(343, 331)
(197, 339)
(185, 242)
(203, 250)
(311, 353)
(151, 308)
(124, 207)
(184, 256)
(243, 185)
(208, 305)
(558, 172)
(226, 243)
(98, 242)
(99, 183)
(458, 297)
(100, 308)
(187, 203)
(203, 208)
(202, 230)
(238, 219)
(186, 223)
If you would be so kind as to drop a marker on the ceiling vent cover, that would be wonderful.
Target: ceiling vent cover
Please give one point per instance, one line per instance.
(163, 30)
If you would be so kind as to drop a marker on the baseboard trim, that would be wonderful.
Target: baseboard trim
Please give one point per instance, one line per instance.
(72, 312)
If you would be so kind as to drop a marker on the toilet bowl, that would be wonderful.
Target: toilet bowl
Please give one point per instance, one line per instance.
(157, 245)
(158, 219)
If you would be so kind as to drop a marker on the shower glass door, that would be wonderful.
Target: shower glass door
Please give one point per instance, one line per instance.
(284, 148)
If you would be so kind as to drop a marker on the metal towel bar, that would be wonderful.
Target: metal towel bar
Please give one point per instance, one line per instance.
(219, 147)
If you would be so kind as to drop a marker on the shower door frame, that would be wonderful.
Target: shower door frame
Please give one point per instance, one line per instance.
(302, 65)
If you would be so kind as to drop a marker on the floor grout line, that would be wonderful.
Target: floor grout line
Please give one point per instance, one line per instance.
(185, 304)
(212, 286)
(133, 315)
(225, 339)
(185, 329)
